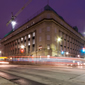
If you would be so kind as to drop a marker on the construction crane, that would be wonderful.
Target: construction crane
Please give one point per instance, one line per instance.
(12, 20)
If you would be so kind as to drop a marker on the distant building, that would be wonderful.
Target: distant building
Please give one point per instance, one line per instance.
(40, 37)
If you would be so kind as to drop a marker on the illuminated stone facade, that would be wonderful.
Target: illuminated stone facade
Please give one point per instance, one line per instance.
(39, 36)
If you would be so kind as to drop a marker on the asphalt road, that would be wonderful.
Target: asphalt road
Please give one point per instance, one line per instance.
(43, 75)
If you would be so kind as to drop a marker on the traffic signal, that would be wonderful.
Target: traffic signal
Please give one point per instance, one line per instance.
(62, 52)
(83, 49)
(22, 50)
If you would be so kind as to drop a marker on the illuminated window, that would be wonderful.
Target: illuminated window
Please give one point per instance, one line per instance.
(22, 39)
(28, 43)
(33, 41)
(33, 33)
(25, 43)
(25, 37)
(48, 37)
(29, 36)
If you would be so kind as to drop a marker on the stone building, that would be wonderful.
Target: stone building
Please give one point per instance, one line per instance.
(40, 37)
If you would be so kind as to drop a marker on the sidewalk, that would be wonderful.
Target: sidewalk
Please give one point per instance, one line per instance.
(6, 82)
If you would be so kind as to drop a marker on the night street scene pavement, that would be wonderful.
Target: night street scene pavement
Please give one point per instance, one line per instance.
(41, 75)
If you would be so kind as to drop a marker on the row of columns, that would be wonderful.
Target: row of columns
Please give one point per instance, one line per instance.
(13, 48)
(68, 44)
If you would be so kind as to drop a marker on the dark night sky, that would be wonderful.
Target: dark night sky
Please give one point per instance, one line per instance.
(73, 12)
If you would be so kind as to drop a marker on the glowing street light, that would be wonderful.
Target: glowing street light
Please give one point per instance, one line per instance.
(59, 39)
(13, 24)
(22, 46)
(0, 52)
(67, 53)
(78, 56)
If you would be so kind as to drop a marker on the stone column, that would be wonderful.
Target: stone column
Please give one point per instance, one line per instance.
(31, 42)
(26, 45)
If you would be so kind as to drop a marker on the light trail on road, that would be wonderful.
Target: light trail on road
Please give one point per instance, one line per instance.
(44, 75)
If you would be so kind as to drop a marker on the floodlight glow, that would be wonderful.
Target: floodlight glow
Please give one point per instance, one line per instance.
(13, 23)
(78, 55)
(22, 46)
(0, 51)
(59, 39)
(67, 53)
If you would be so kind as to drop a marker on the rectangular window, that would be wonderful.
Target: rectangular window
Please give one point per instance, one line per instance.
(48, 28)
(60, 34)
(28, 42)
(25, 43)
(25, 37)
(22, 39)
(33, 41)
(29, 36)
(39, 38)
(33, 34)
(40, 30)
(64, 36)
(48, 37)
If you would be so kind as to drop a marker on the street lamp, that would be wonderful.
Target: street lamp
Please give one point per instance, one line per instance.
(59, 39)
(78, 56)
(22, 46)
(67, 53)
(13, 24)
